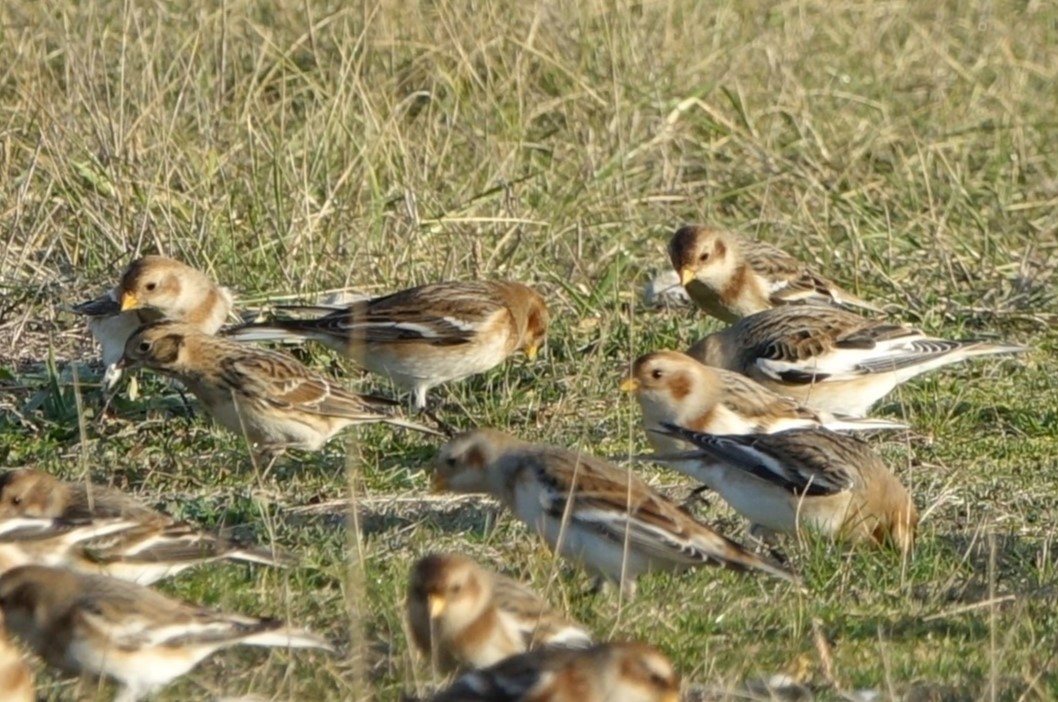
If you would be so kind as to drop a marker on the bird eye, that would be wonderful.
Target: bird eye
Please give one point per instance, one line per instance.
(656, 374)
(457, 588)
(144, 346)
(16, 500)
(704, 257)
(450, 462)
(151, 286)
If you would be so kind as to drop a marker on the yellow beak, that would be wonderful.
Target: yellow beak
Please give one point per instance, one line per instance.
(437, 605)
(439, 483)
(671, 697)
(128, 301)
(629, 384)
(531, 350)
(686, 276)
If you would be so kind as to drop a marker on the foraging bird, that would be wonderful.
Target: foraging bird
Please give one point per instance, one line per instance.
(610, 672)
(271, 398)
(466, 615)
(804, 478)
(831, 359)
(673, 387)
(603, 518)
(427, 335)
(153, 288)
(139, 638)
(731, 277)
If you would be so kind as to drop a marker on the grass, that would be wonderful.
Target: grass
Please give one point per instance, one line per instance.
(905, 148)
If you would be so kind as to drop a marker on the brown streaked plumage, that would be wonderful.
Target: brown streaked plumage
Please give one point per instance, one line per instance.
(269, 397)
(603, 518)
(462, 614)
(610, 672)
(831, 359)
(731, 277)
(804, 478)
(153, 288)
(16, 678)
(141, 639)
(427, 335)
(673, 387)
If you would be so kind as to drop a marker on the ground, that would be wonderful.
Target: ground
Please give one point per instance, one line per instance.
(906, 149)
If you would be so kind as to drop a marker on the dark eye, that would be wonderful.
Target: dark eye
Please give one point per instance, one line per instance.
(456, 589)
(656, 374)
(450, 462)
(144, 346)
(150, 286)
(659, 680)
(16, 500)
(704, 257)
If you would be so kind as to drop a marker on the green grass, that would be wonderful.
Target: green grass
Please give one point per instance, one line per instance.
(905, 148)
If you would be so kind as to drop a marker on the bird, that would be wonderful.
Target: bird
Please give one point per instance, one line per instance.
(468, 616)
(153, 288)
(610, 672)
(605, 519)
(427, 335)
(831, 359)
(731, 277)
(152, 547)
(131, 634)
(27, 540)
(16, 679)
(802, 479)
(269, 397)
(673, 387)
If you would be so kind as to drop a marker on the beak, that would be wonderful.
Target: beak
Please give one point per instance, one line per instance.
(128, 301)
(437, 605)
(671, 697)
(531, 351)
(440, 483)
(686, 276)
(629, 384)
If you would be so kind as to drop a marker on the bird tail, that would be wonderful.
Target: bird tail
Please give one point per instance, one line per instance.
(734, 556)
(844, 422)
(980, 347)
(273, 633)
(283, 330)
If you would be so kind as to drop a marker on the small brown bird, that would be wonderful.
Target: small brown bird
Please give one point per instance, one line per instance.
(601, 517)
(804, 479)
(137, 637)
(611, 672)
(55, 542)
(425, 336)
(831, 359)
(462, 614)
(153, 288)
(151, 547)
(271, 398)
(16, 679)
(731, 277)
(673, 387)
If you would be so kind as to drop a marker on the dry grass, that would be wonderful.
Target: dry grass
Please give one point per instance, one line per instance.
(907, 148)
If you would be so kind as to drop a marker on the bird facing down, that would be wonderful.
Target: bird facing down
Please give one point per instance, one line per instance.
(16, 679)
(610, 672)
(269, 397)
(425, 336)
(731, 277)
(673, 387)
(464, 615)
(605, 519)
(137, 637)
(831, 359)
(153, 288)
(804, 479)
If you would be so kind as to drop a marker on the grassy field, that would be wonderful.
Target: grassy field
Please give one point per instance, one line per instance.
(908, 149)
